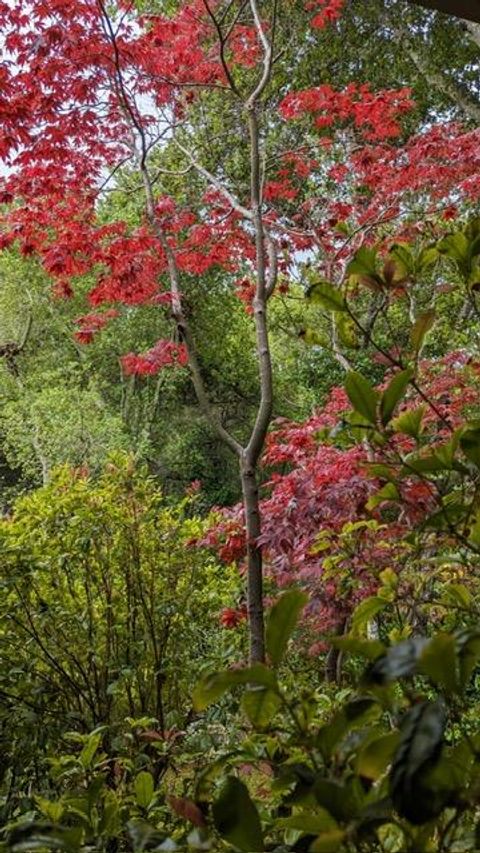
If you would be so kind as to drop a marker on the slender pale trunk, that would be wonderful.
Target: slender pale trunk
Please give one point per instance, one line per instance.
(251, 455)
(248, 476)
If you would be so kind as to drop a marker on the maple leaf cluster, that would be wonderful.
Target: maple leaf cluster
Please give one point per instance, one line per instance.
(308, 507)
(164, 353)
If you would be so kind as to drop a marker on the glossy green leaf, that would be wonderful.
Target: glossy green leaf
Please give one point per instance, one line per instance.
(362, 396)
(236, 817)
(309, 823)
(338, 799)
(351, 716)
(89, 750)
(346, 331)
(394, 392)
(282, 621)
(427, 257)
(455, 246)
(457, 594)
(312, 338)
(470, 443)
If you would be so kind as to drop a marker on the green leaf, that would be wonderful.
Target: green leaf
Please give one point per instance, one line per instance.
(327, 296)
(403, 255)
(470, 443)
(213, 686)
(143, 836)
(420, 745)
(351, 716)
(468, 649)
(52, 810)
(144, 788)
(362, 396)
(310, 823)
(260, 705)
(328, 842)
(400, 660)
(455, 246)
(89, 750)
(424, 464)
(312, 338)
(422, 325)
(363, 263)
(236, 817)
(427, 257)
(388, 492)
(456, 593)
(346, 331)
(438, 661)
(339, 800)
(365, 612)
(394, 393)
(369, 649)
(409, 422)
(282, 622)
(374, 758)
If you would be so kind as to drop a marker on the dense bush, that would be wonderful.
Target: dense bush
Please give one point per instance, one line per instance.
(106, 614)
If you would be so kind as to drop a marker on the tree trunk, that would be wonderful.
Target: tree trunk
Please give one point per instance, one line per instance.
(254, 560)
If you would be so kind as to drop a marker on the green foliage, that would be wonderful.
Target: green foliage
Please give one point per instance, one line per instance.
(389, 764)
(107, 613)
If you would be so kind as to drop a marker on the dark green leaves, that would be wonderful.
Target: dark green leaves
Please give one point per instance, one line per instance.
(376, 755)
(394, 393)
(236, 817)
(282, 621)
(399, 661)
(260, 705)
(353, 715)
(213, 686)
(420, 744)
(362, 396)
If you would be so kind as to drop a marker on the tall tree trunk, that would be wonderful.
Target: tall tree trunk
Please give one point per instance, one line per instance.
(248, 476)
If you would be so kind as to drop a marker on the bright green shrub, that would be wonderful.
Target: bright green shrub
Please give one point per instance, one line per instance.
(106, 611)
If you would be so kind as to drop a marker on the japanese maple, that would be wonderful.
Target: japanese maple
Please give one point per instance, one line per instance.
(323, 527)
